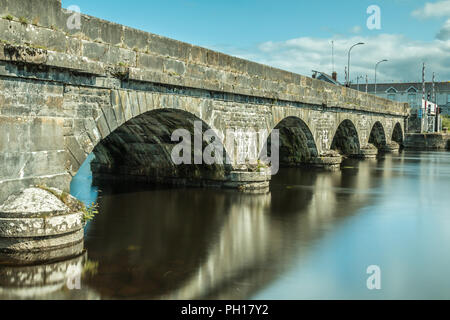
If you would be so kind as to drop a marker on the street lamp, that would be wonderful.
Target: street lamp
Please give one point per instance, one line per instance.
(348, 66)
(376, 66)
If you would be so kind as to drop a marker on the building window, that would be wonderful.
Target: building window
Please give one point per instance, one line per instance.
(391, 93)
(412, 99)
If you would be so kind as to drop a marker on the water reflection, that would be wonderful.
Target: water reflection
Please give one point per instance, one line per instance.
(202, 244)
(25, 279)
(312, 236)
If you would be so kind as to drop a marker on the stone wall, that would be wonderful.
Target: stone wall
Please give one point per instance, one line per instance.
(104, 48)
(431, 141)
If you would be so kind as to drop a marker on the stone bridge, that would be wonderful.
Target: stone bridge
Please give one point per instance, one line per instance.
(121, 93)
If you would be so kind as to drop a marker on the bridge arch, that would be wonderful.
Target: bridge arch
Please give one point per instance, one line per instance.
(134, 138)
(297, 144)
(397, 134)
(378, 136)
(346, 139)
(143, 147)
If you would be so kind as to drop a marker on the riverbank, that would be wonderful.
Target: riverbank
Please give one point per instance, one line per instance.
(427, 141)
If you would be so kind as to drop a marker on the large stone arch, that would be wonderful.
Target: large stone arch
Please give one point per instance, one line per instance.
(132, 136)
(378, 136)
(346, 139)
(297, 144)
(143, 147)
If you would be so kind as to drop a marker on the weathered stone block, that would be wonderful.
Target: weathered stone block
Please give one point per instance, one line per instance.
(150, 62)
(174, 67)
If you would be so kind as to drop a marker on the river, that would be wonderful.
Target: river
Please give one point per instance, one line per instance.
(312, 237)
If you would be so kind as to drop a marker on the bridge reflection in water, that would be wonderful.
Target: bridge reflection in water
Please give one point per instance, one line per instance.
(215, 244)
(312, 236)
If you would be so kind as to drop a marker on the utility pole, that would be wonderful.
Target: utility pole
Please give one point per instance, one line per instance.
(424, 121)
(346, 75)
(367, 83)
(332, 56)
(436, 110)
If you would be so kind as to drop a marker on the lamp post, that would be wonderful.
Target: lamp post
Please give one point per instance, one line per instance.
(348, 66)
(376, 66)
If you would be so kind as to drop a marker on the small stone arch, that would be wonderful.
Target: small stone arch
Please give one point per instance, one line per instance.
(297, 145)
(378, 136)
(346, 139)
(397, 134)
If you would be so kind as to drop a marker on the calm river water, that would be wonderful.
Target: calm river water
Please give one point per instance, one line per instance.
(312, 237)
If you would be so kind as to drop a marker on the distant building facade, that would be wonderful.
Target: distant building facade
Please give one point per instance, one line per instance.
(412, 93)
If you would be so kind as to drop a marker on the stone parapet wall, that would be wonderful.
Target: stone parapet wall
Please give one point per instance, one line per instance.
(111, 50)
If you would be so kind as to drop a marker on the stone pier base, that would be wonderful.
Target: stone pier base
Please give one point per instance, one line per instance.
(252, 182)
(244, 181)
(392, 147)
(368, 152)
(330, 160)
(37, 220)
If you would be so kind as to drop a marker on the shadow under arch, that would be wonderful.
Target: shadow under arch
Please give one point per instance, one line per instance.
(397, 134)
(297, 145)
(141, 150)
(346, 139)
(378, 136)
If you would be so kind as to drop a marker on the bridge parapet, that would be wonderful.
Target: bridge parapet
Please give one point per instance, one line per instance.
(105, 49)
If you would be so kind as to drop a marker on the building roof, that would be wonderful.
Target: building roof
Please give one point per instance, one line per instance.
(326, 77)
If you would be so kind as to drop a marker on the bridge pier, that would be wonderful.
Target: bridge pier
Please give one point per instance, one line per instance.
(41, 224)
(257, 181)
(328, 160)
(368, 152)
(392, 147)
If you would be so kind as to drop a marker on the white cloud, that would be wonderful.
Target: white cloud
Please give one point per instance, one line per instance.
(433, 10)
(444, 33)
(405, 56)
(356, 29)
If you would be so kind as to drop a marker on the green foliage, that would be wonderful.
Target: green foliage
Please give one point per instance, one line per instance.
(9, 17)
(90, 213)
(23, 21)
(74, 204)
(90, 268)
(446, 122)
(261, 165)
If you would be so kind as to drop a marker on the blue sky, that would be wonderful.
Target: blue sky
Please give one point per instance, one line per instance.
(296, 34)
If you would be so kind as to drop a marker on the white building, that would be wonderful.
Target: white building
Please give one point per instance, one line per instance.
(412, 93)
